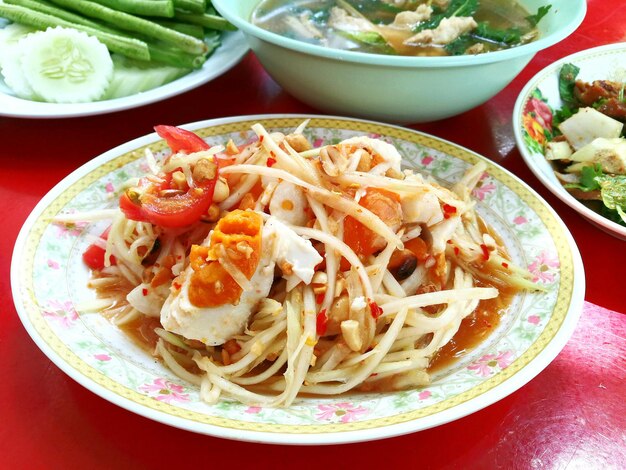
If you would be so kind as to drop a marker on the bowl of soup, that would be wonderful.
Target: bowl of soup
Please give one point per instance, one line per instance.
(402, 61)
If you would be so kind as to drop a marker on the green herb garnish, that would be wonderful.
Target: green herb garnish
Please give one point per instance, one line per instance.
(541, 12)
(588, 178)
(455, 8)
(567, 82)
(505, 36)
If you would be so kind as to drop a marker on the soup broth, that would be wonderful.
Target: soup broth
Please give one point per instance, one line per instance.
(411, 28)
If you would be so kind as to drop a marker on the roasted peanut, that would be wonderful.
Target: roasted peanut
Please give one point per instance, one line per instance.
(298, 142)
(222, 191)
(338, 312)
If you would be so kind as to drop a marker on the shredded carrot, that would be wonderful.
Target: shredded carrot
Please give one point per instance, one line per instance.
(231, 346)
(418, 247)
(162, 276)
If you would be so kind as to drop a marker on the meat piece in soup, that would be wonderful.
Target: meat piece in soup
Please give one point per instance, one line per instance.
(403, 27)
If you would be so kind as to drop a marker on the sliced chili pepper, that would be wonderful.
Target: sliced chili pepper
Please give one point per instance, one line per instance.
(485, 250)
(321, 323)
(448, 210)
(375, 310)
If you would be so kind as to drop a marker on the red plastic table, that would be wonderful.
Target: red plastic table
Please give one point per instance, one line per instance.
(573, 415)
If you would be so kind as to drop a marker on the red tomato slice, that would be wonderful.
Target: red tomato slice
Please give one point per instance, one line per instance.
(93, 256)
(130, 209)
(177, 211)
(180, 140)
(172, 211)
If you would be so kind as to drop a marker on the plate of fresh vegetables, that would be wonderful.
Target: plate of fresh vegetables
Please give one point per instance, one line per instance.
(569, 124)
(66, 58)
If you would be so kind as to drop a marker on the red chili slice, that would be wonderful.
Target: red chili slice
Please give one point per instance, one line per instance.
(375, 310)
(321, 323)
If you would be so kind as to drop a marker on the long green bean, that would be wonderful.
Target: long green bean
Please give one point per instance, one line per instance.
(129, 47)
(175, 57)
(130, 22)
(158, 53)
(194, 30)
(50, 9)
(193, 6)
(205, 20)
(164, 8)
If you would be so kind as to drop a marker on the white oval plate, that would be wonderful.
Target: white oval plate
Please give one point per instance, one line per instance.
(49, 281)
(598, 63)
(225, 57)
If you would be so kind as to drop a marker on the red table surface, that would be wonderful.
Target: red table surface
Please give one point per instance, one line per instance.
(573, 415)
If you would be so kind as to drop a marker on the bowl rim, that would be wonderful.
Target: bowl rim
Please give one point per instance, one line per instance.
(406, 61)
(595, 218)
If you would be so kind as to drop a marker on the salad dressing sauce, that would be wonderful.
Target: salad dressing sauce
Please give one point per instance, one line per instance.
(474, 329)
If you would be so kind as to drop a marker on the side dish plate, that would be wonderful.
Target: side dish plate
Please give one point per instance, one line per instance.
(49, 285)
(541, 97)
(230, 52)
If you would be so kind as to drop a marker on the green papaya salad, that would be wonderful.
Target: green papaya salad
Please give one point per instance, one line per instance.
(587, 144)
(76, 51)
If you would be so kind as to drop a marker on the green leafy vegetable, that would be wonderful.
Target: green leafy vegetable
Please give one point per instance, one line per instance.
(612, 215)
(375, 6)
(460, 44)
(455, 8)
(562, 114)
(541, 12)
(504, 36)
(370, 38)
(588, 179)
(600, 102)
(567, 81)
(589, 175)
(432, 23)
(462, 8)
(613, 191)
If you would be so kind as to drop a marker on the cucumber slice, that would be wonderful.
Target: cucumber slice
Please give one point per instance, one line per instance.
(10, 65)
(14, 76)
(65, 65)
(132, 76)
(10, 35)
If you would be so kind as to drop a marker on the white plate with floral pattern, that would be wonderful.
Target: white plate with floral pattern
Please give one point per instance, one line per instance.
(225, 57)
(49, 282)
(534, 109)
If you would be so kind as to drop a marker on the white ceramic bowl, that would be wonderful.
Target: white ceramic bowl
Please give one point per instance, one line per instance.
(396, 88)
(604, 62)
